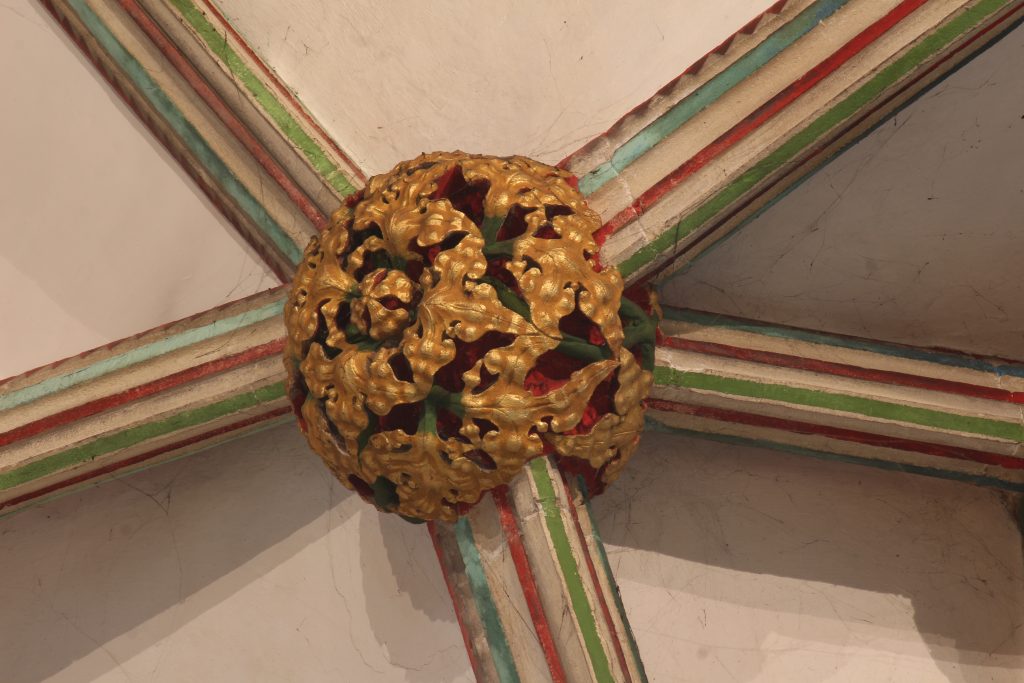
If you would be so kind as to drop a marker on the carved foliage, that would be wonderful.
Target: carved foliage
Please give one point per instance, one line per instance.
(454, 322)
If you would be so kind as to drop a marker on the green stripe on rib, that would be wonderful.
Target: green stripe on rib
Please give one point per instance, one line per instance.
(309, 147)
(136, 435)
(185, 131)
(960, 25)
(570, 569)
(840, 402)
(614, 590)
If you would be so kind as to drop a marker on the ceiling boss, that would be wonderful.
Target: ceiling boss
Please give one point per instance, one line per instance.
(454, 322)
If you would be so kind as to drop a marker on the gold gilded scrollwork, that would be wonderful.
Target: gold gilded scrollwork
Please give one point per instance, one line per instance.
(454, 322)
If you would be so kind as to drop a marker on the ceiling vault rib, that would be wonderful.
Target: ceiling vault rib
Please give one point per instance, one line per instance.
(237, 131)
(675, 176)
(708, 163)
(953, 413)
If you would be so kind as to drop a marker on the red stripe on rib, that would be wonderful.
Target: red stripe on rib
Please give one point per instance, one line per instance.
(694, 68)
(228, 117)
(282, 91)
(470, 652)
(844, 370)
(853, 436)
(854, 122)
(513, 535)
(134, 460)
(616, 640)
(163, 327)
(763, 113)
(141, 391)
(169, 142)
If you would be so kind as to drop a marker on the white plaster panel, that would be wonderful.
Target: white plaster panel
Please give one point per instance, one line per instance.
(245, 563)
(742, 564)
(390, 80)
(101, 234)
(915, 234)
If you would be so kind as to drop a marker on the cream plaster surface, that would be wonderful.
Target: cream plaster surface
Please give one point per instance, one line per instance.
(246, 563)
(390, 80)
(739, 564)
(915, 234)
(102, 235)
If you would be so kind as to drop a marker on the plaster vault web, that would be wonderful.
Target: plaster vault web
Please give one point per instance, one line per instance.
(101, 225)
(911, 236)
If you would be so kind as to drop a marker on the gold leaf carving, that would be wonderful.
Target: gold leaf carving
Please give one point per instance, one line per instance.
(452, 323)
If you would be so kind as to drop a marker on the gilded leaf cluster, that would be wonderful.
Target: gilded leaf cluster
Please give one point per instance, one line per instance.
(454, 322)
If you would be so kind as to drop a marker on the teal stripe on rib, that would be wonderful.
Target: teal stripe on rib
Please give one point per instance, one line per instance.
(709, 93)
(665, 241)
(148, 88)
(995, 367)
(496, 639)
(129, 358)
(613, 588)
(655, 425)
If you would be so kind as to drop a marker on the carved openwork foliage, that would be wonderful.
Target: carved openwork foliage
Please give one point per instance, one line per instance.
(454, 322)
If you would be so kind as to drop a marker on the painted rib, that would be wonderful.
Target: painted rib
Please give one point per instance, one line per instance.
(470, 624)
(135, 463)
(849, 133)
(853, 436)
(762, 114)
(708, 93)
(81, 417)
(146, 87)
(659, 247)
(589, 156)
(856, 405)
(13, 398)
(763, 359)
(535, 535)
(935, 410)
(163, 132)
(140, 391)
(844, 370)
(135, 435)
(663, 424)
(716, 321)
(585, 543)
(497, 641)
(607, 580)
(938, 404)
(582, 610)
(279, 103)
(513, 537)
(224, 113)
